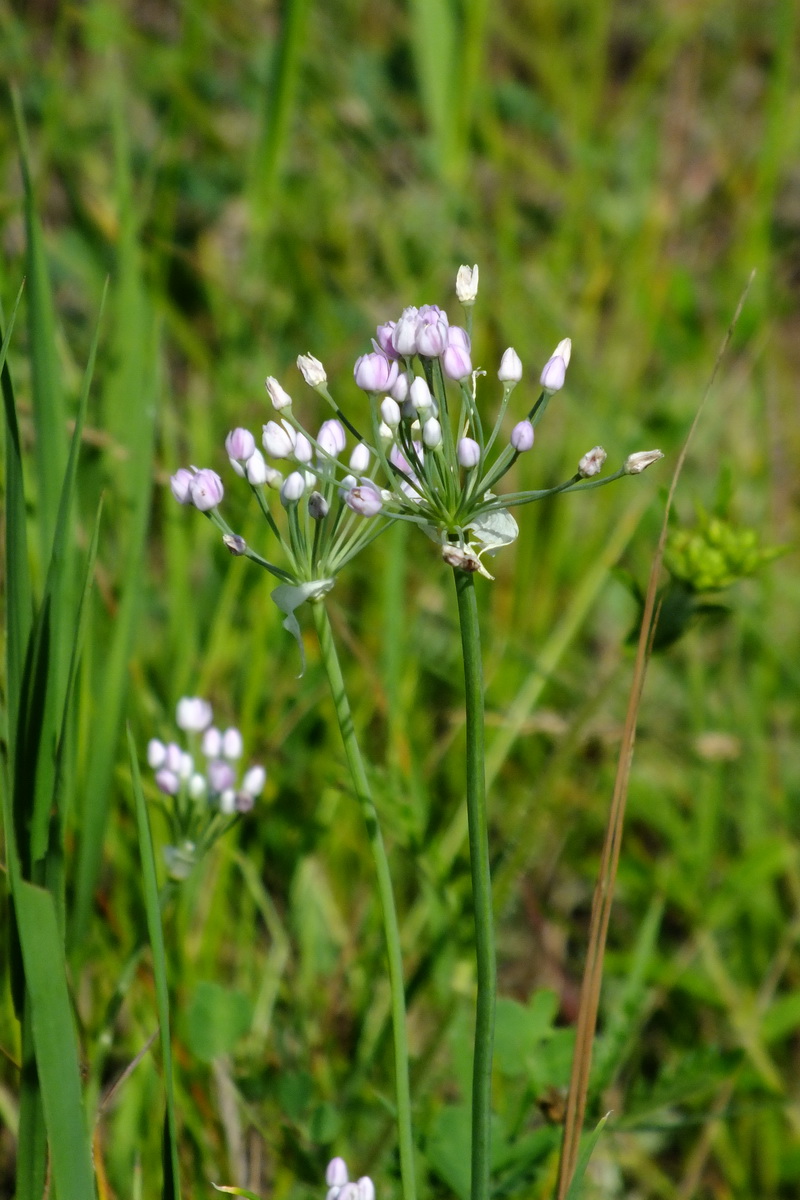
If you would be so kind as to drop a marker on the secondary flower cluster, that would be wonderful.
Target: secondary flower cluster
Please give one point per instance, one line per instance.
(203, 781)
(340, 1187)
(427, 457)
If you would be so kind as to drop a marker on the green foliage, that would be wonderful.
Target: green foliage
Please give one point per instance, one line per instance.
(715, 554)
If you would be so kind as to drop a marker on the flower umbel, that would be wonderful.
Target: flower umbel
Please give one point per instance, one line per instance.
(203, 782)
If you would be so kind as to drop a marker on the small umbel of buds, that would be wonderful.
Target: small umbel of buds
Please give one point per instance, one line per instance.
(202, 777)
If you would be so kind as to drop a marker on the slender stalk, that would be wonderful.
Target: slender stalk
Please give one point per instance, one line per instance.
(481, 887)
(390, 925)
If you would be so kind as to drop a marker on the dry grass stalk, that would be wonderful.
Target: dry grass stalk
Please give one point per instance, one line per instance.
(604, 891)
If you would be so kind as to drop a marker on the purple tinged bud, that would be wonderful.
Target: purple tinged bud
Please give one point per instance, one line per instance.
(554, 371)
(193, 714)
(331, 438)
(181, 485)
(469, 453)
(280, 399)
(366, 1188)
(432, 433)
(243, 802)
(592, 462)
(374, 372)
(156, 753)
(303, 450)
(364, 499)
(349, 1192)
(510, 367)
(255, 469)
(359, 459)
(431, 331)
(456, 363)
(456, 336)
(174, 758)
(336, 1173)
(221, 775)
(235, 544)
(404, 334)
(641, 460)
(522, 436)
(390, 412)
(278, 440)
(168, 782)
(232, 744)
(293, 487)
(207, 490)
(312, 370)
(212, 743)
(420, 395)
(239, 445)
(318, 506)
(384, 339)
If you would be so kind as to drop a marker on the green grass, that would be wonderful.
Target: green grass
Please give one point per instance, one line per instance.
(258, 182)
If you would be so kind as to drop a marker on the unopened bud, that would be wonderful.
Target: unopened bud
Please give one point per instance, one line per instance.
(510, 367)
(181, 485)
(390, 412)
(293, 487)
(312, 370)
(359, 459)
(206, 490)
(467, 285)
(641, 460)
(318, 506)
(469, 453)
(280, 399)
(236, 544)
(432, 433)
(255, 469)
(522, 436)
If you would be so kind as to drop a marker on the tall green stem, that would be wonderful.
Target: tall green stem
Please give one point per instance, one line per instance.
(390, 926)
(481, 888)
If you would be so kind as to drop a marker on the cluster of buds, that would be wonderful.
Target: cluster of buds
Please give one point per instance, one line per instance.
(203, 781)
(340, 1186)
(428, 458)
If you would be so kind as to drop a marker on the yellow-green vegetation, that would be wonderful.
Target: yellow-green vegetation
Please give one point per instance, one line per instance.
(259, 180)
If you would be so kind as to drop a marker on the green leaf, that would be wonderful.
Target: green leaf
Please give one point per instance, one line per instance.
(588, 1143)
(520, 1029)
(55, 1043)
(217, 1018)
(153, 910)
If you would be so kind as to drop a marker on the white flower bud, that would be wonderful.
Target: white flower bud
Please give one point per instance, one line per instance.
(420, 394)
(469, 453)
(390, 411)
(432, 433)
(641, 460)
(156, 753)
(510, 367)
(467, 285)
(212, 743)
(254, 780)
(336, 1173)
(197, 786)
(232, 745)
(359, 459)
(303, 451)
(312, 370)
(255, 469)
(280, 399)
(292, 488)
(278, 439)
(193, 714)
(227, 802)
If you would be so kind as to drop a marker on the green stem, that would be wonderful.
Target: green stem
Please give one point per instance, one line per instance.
(481, 887)
(390, 926)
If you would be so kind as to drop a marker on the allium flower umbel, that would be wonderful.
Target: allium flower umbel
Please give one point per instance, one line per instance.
(428, 455)
(203, 781)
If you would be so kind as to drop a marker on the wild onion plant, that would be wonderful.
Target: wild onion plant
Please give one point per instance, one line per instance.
(430, 459)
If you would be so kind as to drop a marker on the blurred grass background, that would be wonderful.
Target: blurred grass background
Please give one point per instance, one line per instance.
(262, 180)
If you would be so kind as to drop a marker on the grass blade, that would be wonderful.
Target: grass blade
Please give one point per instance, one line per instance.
(55, 1043)
(587, 1150)
(48, 399)
(153, 909)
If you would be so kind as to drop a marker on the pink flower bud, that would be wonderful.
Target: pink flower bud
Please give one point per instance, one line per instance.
(181, 485)
(469, 453)
(555, 369)
(431, 331)
(522, 436)
(456, 336)
(374, 372)
(207, 490)
(336, 1173)
(168, 782)
(404, 334)
(399, 389)
(239, 445)
(456, 363)
(510, 367)
(384, 339)
(364, 499)
(221, 775)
